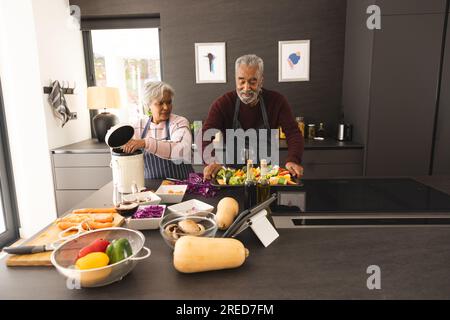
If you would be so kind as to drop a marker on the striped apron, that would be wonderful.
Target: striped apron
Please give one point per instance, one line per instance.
(159, 168)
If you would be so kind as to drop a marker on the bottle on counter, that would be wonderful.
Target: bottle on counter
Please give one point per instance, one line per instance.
(301, 125)
(321, 131)
(249, 187)
(263, 186)
(311, 131)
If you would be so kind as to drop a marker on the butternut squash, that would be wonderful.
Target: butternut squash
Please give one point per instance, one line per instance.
(227, 210)
(198, 254)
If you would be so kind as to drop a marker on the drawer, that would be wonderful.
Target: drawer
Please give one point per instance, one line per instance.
(327, 156)
(82, 178)
(67, 199)
(81, 160)
(332, 170)
(332, 156)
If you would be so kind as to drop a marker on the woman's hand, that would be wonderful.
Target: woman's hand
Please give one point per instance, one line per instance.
(295, 169)
(132, 145)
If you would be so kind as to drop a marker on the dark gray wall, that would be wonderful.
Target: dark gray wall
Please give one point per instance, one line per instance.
(246, 27)
(441, 164)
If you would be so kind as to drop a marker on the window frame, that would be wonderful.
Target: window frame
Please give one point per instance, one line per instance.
(7, 189)
(89, 23)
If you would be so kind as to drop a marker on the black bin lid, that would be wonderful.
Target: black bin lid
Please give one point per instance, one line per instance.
(119, 135)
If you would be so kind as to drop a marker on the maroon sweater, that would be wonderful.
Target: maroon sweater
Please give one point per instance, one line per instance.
(279, 112)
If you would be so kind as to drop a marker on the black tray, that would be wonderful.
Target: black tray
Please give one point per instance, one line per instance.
(298, 184)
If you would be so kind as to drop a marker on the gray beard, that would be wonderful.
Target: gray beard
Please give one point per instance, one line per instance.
(251, 100)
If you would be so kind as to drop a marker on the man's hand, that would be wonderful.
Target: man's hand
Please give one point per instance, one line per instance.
(295, 169)
(132, 145)
(211, 170)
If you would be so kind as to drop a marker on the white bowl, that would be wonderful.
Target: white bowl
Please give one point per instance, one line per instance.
(146, 197)
(171, 193)
(191, 207)
(145, 223)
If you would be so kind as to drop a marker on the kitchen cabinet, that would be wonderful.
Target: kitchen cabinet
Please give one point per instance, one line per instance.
(390, 84)
(390, 7)
(78, 171)
(331, 162)
(441, 159)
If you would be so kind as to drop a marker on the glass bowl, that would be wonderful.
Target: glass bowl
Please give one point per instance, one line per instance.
(176, 225)
(65, 256)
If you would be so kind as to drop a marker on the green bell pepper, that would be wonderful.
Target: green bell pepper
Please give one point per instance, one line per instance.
(118, 250)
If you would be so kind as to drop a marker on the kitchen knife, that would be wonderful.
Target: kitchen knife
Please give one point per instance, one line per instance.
(29, 249)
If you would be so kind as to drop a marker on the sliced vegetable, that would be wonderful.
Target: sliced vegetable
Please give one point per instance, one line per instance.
(153, 211)
(196, 185)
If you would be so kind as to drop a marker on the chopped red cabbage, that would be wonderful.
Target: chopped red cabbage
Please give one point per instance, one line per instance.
(149, 212)
(196, 185)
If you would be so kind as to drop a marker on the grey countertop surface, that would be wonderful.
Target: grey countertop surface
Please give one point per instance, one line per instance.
(315, 263)
(93, 146)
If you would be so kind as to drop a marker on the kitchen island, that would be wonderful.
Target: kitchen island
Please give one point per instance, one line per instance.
(303, 263)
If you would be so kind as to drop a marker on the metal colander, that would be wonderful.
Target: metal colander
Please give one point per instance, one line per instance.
(65, 256)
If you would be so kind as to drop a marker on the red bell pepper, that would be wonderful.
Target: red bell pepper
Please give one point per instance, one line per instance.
(98, 245)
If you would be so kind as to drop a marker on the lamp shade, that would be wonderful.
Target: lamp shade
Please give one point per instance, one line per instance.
(103, 97)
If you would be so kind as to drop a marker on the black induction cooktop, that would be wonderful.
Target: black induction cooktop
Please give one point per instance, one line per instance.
(371, 195)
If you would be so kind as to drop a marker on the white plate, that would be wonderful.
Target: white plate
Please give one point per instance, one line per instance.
(191, 207)
(171, 197)
(146, 197)
(147, 223)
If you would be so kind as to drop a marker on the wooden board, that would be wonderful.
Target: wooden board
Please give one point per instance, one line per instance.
(47, 236)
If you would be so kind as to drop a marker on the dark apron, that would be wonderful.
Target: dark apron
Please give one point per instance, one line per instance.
(159, 168)
(241, 156)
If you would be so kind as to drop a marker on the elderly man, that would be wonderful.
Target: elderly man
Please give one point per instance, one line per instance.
(252, 106)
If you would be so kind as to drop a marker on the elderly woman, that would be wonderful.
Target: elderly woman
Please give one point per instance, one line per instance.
(165, 137)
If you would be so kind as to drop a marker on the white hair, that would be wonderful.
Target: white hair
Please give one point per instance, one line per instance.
(251, 60)
(155, 91)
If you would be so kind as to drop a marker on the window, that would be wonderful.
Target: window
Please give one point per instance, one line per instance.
(126, 58)
(9, 231)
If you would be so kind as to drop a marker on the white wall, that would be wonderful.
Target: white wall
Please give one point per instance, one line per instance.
(36, 45)
(61, 57)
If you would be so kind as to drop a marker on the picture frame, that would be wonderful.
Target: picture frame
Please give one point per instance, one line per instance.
(293, 60)
(210, 62)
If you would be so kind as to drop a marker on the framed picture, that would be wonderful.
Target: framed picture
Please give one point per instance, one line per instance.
(293, 60)
(210, 62)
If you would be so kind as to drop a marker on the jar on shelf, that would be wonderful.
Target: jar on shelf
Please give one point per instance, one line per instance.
(311, 131)
(301, 125)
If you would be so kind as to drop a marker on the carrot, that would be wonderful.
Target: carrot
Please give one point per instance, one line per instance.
(63, 225)
(89, 225)
(104, 218)
(291, 182)
(95, 210)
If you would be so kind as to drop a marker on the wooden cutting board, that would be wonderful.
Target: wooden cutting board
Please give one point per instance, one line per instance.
(47, 236)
